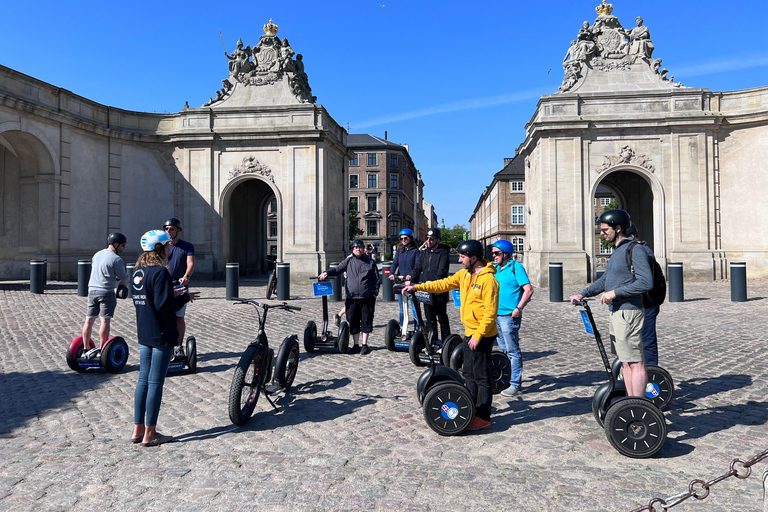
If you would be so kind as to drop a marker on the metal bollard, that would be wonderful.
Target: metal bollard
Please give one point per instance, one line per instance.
(233, 280)
(739, 282)
(283, 281)
(387, 293)
(45, 273)
(336, 281)
(83, 276)
(129, 270)
(36, 276)
(675, 274)
(555, 282)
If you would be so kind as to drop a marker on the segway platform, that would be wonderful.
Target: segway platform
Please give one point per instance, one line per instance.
(112, 357)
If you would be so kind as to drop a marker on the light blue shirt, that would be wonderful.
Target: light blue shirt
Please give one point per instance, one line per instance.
(512, 277)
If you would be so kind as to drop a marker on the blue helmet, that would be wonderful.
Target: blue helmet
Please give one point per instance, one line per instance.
(406, 232)
(505, 246)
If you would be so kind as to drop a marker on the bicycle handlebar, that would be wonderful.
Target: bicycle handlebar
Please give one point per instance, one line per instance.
(265, 306)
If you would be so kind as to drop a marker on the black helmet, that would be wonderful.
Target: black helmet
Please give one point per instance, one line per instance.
(117, 238)
(631, 230)
(358, 243)
(616, 218)
(435, 232)
(470, 248)
(173, 221)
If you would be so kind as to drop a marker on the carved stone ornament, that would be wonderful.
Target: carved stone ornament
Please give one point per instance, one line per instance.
(626, 155)
(269, 61)
(251, 166)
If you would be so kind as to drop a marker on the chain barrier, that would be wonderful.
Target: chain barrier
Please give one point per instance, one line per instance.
(699, 489)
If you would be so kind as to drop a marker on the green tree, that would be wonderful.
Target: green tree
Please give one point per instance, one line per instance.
(452, 236)
(354, 230)
(605, 244)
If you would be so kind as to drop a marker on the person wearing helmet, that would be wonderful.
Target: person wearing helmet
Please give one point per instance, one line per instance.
(479, 303)
(515, 292)
(107, 272)
(624, 296)
(181, 264)
(405, 263)
(156, 303)
(434, 265)
(361, 286)
(650, 339)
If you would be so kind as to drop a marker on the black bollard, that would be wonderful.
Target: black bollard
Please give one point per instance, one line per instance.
(45, 273)
(739, 282)
(83, 276)
(233, 280)
(129, 270)
(387, 293)
(555, 282)
(675, 274)
(336, 282)
(36, 276)
(283, 281)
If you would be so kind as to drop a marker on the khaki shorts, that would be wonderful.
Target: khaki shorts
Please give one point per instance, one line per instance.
(626, 328)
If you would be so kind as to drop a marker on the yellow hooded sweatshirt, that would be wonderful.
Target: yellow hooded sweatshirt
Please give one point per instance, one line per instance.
(479, 298)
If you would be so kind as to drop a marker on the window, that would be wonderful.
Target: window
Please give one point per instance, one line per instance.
(353, 181)
(373, 228)
(273, 229)
(393, 181)
(353, 204)
(518, 243)
(393, 204)
(372, 200)
(371, 181)
(354, 161)
(393, 160)
(371, 158)
(273, 205)
(517, 214)
(515, 186)
(605, 250)
(605, 201)
(394, 227)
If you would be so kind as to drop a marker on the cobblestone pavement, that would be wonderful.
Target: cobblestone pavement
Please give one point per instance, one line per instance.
(351, 436)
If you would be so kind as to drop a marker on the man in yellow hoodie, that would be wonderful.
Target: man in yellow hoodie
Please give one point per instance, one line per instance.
(479, 304)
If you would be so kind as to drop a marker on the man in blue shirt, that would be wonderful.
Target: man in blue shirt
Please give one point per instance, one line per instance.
(181, 265)
(515, 291)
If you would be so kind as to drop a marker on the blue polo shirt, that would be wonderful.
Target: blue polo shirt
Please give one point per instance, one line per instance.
(512, 277)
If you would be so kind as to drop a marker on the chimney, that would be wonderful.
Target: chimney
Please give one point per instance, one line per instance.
(385, 134)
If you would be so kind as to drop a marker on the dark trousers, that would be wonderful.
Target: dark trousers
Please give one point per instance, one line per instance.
(435, 314)
(477, 375)
(650, 343)
(360, 314)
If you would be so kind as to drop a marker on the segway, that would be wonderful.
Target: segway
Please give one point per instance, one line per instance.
(501, 367)
(634, 426)
(418, 350)
(112, 357)
(447, 404)
(660, 388)
(396, 336)
(326, 340)
(188, 360)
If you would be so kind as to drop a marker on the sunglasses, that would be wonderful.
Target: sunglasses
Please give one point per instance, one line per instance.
(432, 238)
(169, 228)
(496, 253)
(405, 238)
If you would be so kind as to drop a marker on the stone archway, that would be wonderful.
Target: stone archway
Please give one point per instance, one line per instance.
(253, 240)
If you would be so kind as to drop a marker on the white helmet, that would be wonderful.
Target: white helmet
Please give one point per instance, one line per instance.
(154, 237)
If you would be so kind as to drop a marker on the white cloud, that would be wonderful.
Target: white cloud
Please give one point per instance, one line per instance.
(722, 66)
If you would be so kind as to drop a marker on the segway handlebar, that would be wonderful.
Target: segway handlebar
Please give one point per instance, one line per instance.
(583, 302)
(265, 306)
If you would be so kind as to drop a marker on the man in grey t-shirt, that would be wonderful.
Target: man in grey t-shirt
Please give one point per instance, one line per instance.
(107, 270)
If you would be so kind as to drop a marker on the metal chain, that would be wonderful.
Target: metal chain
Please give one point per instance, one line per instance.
(699, 489)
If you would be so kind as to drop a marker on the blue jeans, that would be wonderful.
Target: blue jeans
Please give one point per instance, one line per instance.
(149, 390)
(650, 346)
(509, 343)
(413, 308)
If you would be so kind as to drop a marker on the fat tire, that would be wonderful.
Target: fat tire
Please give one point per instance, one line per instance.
(635, 427)
(343, 340)
(416, 347)
(271, 285)
(191, 355)
(287, 362)
(246, 384)
(434, 413)
(449, 345)
(391, 333)
(115, 356)
(501, 371)
(310, 335)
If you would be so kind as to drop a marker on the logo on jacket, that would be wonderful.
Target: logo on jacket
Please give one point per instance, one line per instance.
(138, 280)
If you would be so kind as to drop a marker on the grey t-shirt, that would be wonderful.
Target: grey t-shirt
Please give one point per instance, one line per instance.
(107, 268)
(618, 277)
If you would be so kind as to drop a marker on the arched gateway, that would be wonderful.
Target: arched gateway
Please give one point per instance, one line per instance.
(258, 174)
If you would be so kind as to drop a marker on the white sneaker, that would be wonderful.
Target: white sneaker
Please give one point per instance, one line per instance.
(511, 391)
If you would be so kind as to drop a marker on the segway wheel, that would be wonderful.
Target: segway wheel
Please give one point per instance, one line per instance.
(310, 335)
(115, 355)
(271, 285)
(75, 352)
(246, 384)
(391, 333)
(416, 347)
(660, 389)
(449, 345)
(635, 427)
(287, 362)
(448, 408)
(457, 358)
(501, 371)
(343, 338)
(191, 355)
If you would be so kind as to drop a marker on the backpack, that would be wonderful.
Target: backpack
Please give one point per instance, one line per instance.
(656, 295)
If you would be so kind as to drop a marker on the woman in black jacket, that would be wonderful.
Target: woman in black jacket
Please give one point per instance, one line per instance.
(156, 304)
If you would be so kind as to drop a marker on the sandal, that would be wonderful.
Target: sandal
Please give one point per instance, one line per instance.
(158, 440)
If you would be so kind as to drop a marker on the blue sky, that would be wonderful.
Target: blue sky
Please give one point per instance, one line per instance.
(455, 80)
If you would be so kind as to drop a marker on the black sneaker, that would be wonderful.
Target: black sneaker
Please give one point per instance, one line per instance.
(178, 352)
(364, 350)
(337, 320)
(354, 349)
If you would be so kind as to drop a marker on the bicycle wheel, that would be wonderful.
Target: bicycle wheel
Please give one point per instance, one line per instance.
(246, 384)
(287, 362)
(271, 285)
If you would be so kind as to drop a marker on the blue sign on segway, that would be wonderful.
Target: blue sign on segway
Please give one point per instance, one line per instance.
(587, 324)
(322, 289)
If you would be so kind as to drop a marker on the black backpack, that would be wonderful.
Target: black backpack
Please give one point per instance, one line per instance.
(656, 295)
